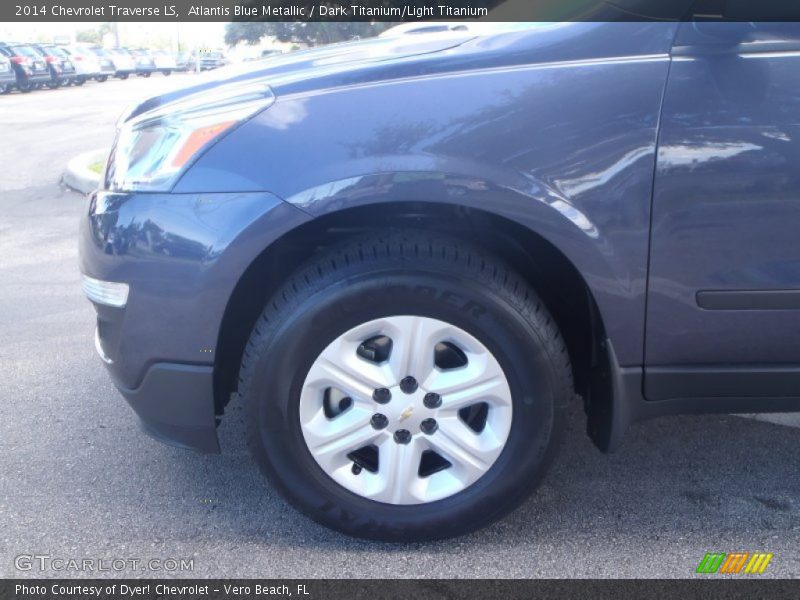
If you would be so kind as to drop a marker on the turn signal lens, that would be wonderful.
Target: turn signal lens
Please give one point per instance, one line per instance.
(108, 293)
(196, 140)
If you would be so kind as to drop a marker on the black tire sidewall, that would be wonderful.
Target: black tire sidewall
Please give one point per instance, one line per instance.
(284, 359)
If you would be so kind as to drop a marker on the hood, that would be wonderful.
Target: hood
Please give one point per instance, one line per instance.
(306, 64)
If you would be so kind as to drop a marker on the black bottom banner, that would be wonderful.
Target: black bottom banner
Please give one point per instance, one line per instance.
(400, 589)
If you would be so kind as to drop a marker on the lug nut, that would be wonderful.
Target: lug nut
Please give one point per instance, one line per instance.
(432, 400)
(379, 421)
(402, 436)
(429, 426)
(382, 395)
(408, 385)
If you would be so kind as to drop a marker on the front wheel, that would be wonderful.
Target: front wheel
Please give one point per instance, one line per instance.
(422, 400)
(102, 78)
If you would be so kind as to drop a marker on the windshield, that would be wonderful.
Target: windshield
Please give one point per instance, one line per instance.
(56, 51)
(26, 51)
(76, 52)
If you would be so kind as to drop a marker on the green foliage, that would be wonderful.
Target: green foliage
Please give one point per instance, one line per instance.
(93, 35)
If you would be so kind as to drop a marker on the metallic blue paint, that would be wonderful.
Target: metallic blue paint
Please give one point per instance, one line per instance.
(727, 196)
(182, 255)
(555, 128)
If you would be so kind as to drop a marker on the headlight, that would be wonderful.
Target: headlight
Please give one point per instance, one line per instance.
(151, 150)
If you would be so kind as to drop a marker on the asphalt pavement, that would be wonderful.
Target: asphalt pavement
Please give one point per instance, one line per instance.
(78, 480)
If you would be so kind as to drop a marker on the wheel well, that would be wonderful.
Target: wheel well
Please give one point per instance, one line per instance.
(550, 273)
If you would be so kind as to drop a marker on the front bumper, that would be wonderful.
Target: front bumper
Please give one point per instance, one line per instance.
(181, 256)
(175, 405)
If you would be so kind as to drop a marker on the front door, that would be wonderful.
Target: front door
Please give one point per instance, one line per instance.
(724, 277)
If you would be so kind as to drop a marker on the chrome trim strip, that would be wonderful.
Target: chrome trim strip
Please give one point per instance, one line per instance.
(99, 347)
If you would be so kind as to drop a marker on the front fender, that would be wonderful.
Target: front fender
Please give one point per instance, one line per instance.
(595, 254)
(566, 149)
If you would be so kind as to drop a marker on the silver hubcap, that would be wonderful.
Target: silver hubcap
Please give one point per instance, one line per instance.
(405, 410)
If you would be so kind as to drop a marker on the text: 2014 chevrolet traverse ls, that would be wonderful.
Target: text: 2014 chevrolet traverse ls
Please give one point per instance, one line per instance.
(405, 255)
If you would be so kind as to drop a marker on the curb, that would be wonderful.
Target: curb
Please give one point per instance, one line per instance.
(78, 176)
(785, 419)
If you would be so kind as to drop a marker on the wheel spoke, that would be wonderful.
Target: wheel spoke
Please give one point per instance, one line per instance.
(398, 471)
(482, 380)
(415, 339)
(331, 441)
(357, 380)
(470, 453)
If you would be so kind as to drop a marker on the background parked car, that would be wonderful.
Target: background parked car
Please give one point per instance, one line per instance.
(87, 65)
(182, 60)
(145, 65)
(61, 68)
(164, 62)
(124, 62)
(68, 71)
(107, 68)
(7, 78)
(29, 66)
(212, 60)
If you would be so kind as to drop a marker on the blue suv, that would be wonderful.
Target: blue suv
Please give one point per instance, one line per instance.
(408, 256)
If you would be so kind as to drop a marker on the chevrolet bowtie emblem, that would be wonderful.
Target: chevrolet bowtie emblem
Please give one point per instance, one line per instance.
(406, 413)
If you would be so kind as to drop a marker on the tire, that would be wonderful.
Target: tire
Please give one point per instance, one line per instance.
(440, 280)
(79, 81)
(54, 85)
(25, 87)
(124, 76)
(146, 75)
(101, 78)
(167, 73)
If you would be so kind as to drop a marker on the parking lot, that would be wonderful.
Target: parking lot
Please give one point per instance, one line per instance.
(81, 481)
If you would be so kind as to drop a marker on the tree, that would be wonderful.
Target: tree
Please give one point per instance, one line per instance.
(310, 33)
(93, 35)
(249, 32)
